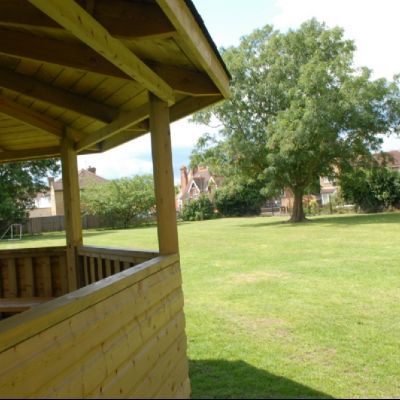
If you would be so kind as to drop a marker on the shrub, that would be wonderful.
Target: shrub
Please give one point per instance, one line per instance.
(237, 200)
(198, 209)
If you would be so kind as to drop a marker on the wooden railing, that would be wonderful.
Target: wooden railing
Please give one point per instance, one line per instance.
(33, 273)
(97, 263)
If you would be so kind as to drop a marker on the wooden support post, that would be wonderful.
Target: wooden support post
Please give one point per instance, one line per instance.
(72, 212)
(163, 176)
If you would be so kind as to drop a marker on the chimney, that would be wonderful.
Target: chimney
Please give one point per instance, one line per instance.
(50, 179)
(184, 178)
(92, 169)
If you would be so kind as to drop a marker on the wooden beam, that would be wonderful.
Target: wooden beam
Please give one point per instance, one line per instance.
(72, 210)
(190, 105)
(186, 81)
(31, 117)
(123, 122)
(68, 54)
(76, 20)
(163, 176)
(194, 43)
(121, 138)
(56, 96)
(121, 18)
(30, 154)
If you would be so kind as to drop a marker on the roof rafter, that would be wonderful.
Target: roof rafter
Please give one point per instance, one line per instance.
(190, 33)
(36, 89)
(31, 154)
(121, 18)
(31, 117)
(76, 20)
(123, 122)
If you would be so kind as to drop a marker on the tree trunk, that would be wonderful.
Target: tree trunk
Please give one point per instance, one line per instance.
(298, 211)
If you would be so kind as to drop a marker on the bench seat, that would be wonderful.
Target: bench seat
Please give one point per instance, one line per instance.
(20, 304)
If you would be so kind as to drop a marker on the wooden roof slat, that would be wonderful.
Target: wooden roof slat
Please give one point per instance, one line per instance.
(69, 54)
(77, 21)
(121, 18)
(185, 80)
(29, 154)
(31, 117)
(123, 122)
(193, 42)
(60, 97)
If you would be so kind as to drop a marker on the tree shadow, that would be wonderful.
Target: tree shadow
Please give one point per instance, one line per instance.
(221, 379)
(344, 220)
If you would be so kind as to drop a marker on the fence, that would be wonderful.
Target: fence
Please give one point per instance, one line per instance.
(35, 226)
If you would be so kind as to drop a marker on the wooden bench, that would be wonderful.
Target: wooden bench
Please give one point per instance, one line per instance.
(20, 304)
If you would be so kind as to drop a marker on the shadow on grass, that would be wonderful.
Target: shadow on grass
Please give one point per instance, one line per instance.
(221, 379)
(344, 220)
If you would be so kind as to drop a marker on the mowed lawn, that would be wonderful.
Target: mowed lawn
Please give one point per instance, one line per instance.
(276, 310)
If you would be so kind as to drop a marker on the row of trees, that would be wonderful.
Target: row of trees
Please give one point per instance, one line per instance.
(299, 110)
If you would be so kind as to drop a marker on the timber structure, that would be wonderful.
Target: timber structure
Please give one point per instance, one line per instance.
(82, 77)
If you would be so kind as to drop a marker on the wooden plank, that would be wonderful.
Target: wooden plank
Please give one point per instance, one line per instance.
(37, 89)
(31, 117)
(63, 274)
(123, 122)
(92, 275)
(80, 23)
(68, 54)
(186, 81)
(193, 42)
(120, 18)
(12, 278)
(31, 154)
(21, 304)
(100, 267)
(117, 266)
(29, 277)
(86, 271)
(46, 278)
(20, 328)
(72, 210)
(163, 176)
(108, 268)
(107, 328)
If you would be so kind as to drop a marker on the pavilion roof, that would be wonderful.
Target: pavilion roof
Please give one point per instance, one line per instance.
(84, 69)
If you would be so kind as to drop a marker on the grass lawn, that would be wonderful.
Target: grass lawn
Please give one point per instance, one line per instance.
(276, 310)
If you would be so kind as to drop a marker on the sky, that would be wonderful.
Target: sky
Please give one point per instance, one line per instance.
(372, 24)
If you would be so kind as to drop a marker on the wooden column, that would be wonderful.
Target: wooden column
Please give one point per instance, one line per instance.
(73, 223)
(163, 176)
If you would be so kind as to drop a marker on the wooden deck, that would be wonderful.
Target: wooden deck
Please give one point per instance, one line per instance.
(120, 337)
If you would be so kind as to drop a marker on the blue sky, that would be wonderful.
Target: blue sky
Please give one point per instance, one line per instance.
(372, 24)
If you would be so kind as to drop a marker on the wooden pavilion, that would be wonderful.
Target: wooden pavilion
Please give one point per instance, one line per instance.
(81, 77)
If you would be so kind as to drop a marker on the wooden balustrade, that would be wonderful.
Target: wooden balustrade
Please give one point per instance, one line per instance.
(29, 273)
(97, 263)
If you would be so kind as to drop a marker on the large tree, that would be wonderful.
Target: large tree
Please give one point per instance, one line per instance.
(299, 110)
(19, 184)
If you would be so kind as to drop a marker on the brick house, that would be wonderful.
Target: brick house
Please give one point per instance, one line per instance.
(51, 203)
(196, 182)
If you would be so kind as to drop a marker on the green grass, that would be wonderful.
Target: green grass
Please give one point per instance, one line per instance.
(276, 310)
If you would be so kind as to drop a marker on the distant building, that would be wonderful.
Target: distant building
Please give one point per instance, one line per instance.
(51, 203)
(196, 182)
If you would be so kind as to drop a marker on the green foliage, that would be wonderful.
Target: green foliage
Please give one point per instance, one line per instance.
(299, 110)
(239, 199)
(372, 189)
(19, 184)
(198, 209)
(124, 201)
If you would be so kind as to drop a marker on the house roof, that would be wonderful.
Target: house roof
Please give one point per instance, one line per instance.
(86, 178)
(391, 158)
(85, 70)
